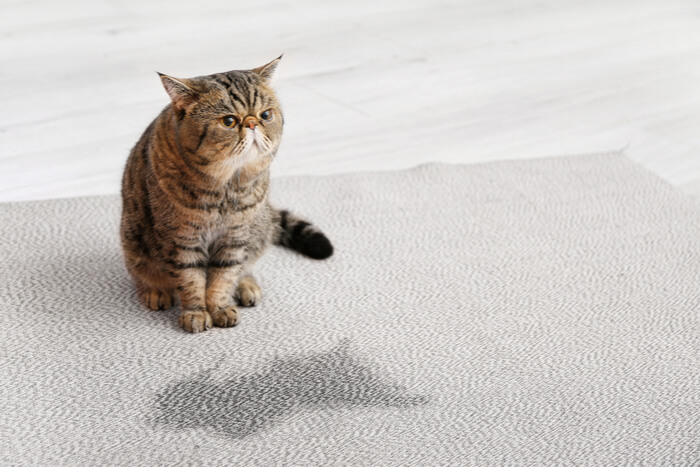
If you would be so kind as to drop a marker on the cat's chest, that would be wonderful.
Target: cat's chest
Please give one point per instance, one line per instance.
(211, 235)
(235, 221)
(211, 239)
(230, 216)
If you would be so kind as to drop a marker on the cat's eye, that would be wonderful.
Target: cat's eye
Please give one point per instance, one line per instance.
(229, 121)
(266, 115)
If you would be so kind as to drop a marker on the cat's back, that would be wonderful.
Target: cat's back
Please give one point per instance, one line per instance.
(137, 213)
(137, 164)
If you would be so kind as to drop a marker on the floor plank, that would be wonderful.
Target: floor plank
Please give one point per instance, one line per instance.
(368, 85)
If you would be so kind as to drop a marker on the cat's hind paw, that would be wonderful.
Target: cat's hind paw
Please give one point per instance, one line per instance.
(248, 292)
(155, 299)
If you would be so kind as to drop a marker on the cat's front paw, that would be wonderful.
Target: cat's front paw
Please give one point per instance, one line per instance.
(195, 321)
(225, 317)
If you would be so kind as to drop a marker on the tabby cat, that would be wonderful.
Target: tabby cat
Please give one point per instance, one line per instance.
(195, 210)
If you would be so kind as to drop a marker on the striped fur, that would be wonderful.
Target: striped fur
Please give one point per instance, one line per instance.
(195, 210)
(302, 236)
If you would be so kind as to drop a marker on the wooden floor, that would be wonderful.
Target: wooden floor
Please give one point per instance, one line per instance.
(366, 85)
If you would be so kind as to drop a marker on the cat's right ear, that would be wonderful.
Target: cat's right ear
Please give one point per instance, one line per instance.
(180, 92)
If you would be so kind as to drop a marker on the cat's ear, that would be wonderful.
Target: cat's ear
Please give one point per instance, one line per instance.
(266, 71)
(179, 90)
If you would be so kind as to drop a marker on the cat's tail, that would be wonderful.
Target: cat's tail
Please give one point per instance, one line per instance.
(298, 234)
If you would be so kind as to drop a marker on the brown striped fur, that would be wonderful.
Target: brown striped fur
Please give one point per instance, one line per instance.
(195, 210)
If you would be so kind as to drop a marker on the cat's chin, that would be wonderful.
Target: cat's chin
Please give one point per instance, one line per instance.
(254, 153)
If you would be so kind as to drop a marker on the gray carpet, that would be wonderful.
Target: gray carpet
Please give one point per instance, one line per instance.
(540, 312)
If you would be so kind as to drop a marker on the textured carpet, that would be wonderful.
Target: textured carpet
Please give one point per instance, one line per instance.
(540, 312)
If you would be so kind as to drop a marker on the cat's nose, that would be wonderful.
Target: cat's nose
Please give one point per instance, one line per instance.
(250, 122)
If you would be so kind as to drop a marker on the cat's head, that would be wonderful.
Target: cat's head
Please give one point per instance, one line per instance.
(226, 121)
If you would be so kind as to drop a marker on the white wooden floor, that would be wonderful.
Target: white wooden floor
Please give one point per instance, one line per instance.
(366, 85)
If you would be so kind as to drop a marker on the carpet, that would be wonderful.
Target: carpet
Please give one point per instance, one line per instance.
(540, 312)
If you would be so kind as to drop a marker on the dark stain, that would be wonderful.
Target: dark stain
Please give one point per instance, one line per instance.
(247, 403)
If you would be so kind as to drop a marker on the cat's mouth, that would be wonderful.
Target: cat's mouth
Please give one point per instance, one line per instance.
(259, 142)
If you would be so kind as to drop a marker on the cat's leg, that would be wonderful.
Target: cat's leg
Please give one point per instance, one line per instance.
(248, 291)
(192, 283)
(184, 266)
(226, 266)
(220, 304)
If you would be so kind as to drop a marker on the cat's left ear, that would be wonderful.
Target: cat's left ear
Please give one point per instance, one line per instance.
(266, 71)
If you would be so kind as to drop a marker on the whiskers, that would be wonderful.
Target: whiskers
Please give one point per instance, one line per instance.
(241, 147)
(254, 144)
(264, 142)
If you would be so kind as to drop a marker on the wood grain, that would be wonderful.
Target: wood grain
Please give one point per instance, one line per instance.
(367, 85)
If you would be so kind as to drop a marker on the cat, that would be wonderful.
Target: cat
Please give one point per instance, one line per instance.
(195, 210)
